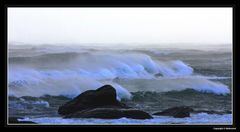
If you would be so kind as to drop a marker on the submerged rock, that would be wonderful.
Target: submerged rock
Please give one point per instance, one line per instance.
(184, 111)
(177, 112)
(100, 103)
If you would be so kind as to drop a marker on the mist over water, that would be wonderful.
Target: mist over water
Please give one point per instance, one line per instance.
(155, 58)
(51, 70)
(81, 69)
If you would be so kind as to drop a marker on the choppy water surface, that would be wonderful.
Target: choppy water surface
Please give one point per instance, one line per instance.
(40, 79)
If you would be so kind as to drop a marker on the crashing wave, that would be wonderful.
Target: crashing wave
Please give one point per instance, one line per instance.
(79, 72)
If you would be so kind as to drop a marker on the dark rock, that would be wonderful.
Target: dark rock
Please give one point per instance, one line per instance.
(104, 96)
(110, 113)
(16, 121)
(228, 112)
(184, 111)
(101, 103)
(158, 75)
(177, 112)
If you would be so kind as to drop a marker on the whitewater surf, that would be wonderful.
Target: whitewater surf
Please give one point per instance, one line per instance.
(41, 78)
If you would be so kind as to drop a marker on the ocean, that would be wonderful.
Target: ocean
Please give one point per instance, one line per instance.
(149, 78)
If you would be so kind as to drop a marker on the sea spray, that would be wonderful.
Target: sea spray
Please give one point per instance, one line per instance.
(85, 71)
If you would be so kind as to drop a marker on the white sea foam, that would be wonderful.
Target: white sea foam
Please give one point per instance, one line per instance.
(199, 83)
(174, 68)
(100, 65)
(201, 118)
(176, 84)
(56, 83)
(40, 103)
(91, 70)
(23, 104)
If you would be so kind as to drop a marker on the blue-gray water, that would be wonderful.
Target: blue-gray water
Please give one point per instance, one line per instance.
(151, 79)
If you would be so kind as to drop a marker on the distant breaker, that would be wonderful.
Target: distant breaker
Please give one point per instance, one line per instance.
(101, 65)
(72, 73)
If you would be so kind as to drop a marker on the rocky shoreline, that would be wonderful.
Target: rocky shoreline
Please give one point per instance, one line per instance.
(102, 103)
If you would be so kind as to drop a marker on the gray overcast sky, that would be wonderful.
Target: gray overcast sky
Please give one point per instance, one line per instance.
(120, 25)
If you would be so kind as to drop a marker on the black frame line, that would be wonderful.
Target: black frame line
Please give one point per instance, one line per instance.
(233, 6)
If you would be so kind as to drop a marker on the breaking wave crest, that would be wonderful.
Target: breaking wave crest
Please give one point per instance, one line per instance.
(72, 73)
